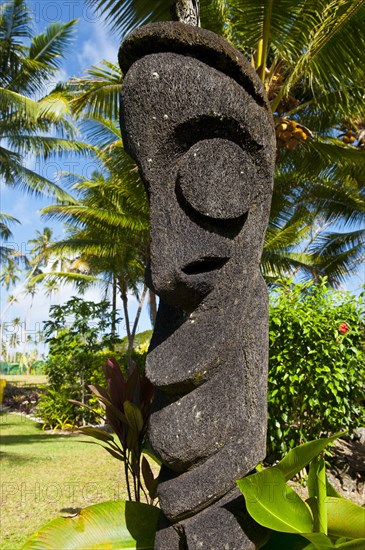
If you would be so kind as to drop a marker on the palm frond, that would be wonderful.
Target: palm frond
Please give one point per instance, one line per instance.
(124, 16)
(50, 47)
(5, 222)
(97, 93)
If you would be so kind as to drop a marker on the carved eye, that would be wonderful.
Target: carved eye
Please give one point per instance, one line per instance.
(216, 177)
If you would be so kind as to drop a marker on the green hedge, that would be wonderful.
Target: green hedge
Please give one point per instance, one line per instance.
(316, 366)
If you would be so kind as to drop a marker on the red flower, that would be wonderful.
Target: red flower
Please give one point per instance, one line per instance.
(343, 328)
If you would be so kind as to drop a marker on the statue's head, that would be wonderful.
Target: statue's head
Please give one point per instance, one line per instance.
(195, 119)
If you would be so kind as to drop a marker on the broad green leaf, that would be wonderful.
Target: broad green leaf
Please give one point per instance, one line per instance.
(319, 541)
(274, 504)
(345, 519)
(358, 544)
(110, 525)
(298, 458)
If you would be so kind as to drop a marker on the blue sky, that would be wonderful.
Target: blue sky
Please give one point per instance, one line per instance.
(93, 43)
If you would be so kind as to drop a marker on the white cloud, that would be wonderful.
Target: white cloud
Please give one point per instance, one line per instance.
(101, 45)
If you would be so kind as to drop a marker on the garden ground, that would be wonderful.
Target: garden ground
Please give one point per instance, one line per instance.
(25, 380)
(44, 475)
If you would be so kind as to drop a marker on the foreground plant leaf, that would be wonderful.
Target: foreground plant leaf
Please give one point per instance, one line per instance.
(298, 458)
(274, 504)
(345, 519)
(317, 489)
(110, 525)
(319, 541)
(358, 544)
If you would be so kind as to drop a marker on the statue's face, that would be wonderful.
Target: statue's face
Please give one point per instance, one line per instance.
(204, 149)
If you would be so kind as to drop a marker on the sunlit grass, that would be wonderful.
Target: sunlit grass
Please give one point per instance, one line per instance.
(25, 379)
(45, 475)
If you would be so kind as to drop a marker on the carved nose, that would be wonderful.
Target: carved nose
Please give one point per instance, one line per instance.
(216, 178)
(204, 265)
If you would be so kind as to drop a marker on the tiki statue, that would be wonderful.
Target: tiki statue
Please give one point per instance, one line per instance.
(196, 121)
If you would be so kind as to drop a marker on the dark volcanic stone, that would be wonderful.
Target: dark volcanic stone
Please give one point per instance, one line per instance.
(195, 119)
(193, 42)
(169, 537)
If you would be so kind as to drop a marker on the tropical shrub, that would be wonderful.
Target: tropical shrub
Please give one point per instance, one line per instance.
(317, 364)
(127, 404)
(55, 410)
(79, 345)
(23, 399)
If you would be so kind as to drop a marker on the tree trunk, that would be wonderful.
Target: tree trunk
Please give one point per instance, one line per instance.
(138, 314)
(124, 296)
(152, 306)
(114, 311)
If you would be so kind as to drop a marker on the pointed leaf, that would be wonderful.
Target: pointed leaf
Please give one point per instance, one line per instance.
(116, 454)
(133, 416)
(112, 525)
(113, 414)
(85, 406)
(298, 458)
(133, 384)
(116, 382)
(331, 491)
(319, 541)
(147, 449)
(97, 434)
(274, 504)
(99, 391)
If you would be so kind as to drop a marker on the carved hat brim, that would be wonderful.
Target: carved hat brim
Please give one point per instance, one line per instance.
(212, 49)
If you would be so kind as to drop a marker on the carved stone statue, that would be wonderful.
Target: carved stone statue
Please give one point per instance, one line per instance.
(195, 119)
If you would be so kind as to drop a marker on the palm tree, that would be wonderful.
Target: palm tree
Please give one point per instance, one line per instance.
(108, 236)
(5, 235)
(310, 56)
(51, 287)
(28, 126)
(14, 339)
(9, 276)
(108, 225)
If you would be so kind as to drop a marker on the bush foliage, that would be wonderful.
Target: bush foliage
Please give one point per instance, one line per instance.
(317, 364)
(80, 344)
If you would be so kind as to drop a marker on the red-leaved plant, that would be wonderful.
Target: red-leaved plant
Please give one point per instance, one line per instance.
(127, 404)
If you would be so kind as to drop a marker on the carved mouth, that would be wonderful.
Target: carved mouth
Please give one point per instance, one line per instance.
(204, 265)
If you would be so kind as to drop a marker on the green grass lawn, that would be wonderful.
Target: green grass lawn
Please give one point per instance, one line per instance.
(45, 475)
(25, 379)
